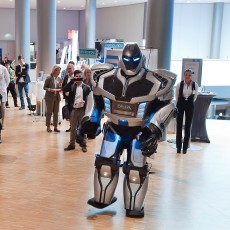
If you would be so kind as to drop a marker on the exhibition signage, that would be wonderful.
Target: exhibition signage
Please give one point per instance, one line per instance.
(88, 53)
(114, 45)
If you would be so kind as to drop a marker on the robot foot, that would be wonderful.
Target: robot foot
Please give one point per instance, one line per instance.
(135, 213)
(95, 204)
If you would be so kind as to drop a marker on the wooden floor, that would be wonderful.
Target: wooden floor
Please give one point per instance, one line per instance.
(43, 187)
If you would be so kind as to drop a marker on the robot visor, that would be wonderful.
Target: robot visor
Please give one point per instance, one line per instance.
(131, 62)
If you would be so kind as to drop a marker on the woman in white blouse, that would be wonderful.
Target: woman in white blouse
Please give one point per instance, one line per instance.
(186, 94)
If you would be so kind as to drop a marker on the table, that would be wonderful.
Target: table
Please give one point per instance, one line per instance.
(199, 131)
(36, 89)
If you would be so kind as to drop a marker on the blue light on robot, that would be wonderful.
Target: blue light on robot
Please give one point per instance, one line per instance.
(126, 59)
(123, 122)
(136, 59)
(95, 116)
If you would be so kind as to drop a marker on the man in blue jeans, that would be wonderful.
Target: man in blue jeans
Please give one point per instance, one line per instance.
(23, 78)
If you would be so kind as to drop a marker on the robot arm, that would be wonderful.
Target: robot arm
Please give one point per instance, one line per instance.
(91, 121)
(152, 132)
(167, 80)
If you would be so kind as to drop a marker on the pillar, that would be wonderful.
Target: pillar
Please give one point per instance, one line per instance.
(159, 27)
(22, 29)
(90, 23)
(216, 30)
(46, 26)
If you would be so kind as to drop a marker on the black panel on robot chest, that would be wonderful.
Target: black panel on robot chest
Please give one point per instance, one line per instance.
(139, 88)
(113, 85)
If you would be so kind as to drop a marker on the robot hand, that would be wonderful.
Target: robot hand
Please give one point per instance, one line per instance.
(92, 129)
(148, 139)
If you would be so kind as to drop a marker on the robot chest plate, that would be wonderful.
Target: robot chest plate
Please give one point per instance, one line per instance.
(127, 89)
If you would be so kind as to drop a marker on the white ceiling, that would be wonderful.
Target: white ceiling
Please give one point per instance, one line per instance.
(80, 4)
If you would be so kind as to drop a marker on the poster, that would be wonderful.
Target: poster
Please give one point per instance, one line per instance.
(195, 65)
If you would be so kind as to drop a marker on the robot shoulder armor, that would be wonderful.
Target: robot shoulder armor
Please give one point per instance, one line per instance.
(102, 67)
(98, 70)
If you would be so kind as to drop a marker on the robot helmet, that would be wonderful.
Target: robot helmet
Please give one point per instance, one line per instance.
(132, 59)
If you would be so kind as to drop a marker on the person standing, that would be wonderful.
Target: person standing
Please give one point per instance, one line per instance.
(87, 80)
(11, 86)
(4, 82)
(22, 80)
(65, 71)
(79, 93)
(52, 86)
(186, 94)
(67, 79)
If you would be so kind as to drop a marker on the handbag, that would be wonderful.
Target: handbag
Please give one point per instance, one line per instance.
(65, 112)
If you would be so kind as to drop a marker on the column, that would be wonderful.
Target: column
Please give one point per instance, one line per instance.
(144, 24)
(90, 18)
(46, 26)
(159, 27)
(218, 9)
(22, 29)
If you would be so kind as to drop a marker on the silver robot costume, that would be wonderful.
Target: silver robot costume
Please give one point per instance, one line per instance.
(138, 105)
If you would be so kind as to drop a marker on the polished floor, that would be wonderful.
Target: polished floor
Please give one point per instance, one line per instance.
(44, 188)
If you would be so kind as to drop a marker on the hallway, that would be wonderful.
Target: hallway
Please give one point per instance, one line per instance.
(44, 188)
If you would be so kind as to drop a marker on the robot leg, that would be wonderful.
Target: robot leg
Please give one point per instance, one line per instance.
(135, 185)
(106, 174)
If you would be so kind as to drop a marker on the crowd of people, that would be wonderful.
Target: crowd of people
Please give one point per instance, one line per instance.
(74, 84)
(76, 87)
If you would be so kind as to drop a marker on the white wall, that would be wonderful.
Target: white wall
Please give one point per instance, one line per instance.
(8, 49)
(7, 24)
(192, 27)
(124, 22)
(65, 20)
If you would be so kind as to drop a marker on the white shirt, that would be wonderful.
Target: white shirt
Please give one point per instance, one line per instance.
(187, 91)
(78, 101)
(4, 79)
(21, 78)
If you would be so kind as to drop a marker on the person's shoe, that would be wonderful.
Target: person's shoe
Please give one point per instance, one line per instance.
(84, 149)
(16, 106)
(184, 151)
(178, 151)
(57, 130)
(49, 130)
(69, 147)
(21, 108)
(7, 106)
(68, 130)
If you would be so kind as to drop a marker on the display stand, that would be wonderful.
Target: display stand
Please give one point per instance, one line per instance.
(199, 131)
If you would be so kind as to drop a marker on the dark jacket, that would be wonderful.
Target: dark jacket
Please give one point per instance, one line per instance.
(22, 73)
(63, 85)
(71, 87)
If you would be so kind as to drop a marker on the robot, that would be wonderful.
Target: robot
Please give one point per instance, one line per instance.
(138, 105)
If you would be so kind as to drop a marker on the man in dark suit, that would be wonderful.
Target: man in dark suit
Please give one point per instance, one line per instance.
(80, 97)
(67, 79)
(23, 78)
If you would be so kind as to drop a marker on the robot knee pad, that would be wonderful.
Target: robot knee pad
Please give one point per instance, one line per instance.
(135, 186)
(105, 178)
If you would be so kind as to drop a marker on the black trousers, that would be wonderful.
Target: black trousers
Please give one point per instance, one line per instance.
(12, 90)
(184, 107)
